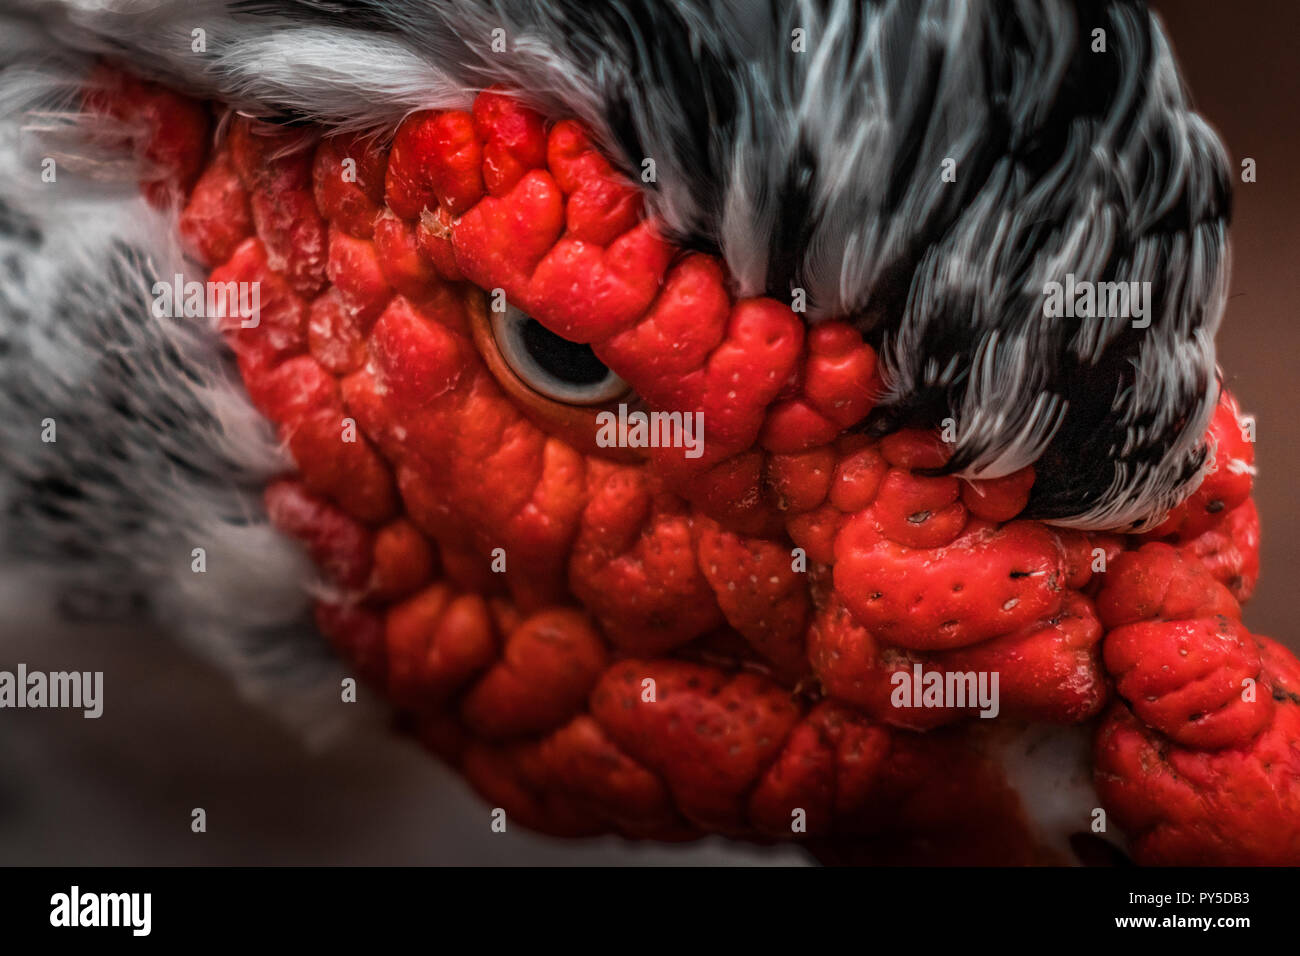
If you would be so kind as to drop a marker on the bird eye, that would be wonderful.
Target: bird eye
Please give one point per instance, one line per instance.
(553, 366)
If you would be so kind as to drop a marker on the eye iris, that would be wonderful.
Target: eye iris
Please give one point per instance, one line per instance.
(549, 364)
(570, 362)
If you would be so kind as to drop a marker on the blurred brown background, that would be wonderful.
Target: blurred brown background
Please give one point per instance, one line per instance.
(1239, 61)
(120, 789)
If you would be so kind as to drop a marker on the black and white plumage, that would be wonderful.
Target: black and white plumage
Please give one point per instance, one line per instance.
(818, 170)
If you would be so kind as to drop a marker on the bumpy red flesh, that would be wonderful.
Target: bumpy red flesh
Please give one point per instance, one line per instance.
(655, 658)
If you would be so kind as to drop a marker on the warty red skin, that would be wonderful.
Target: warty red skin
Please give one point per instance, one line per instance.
(651, 662)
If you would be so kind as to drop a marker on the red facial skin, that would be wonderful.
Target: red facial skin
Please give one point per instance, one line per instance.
(656, 659)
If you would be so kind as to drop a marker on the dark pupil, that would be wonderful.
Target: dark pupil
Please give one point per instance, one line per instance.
(568, 361)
